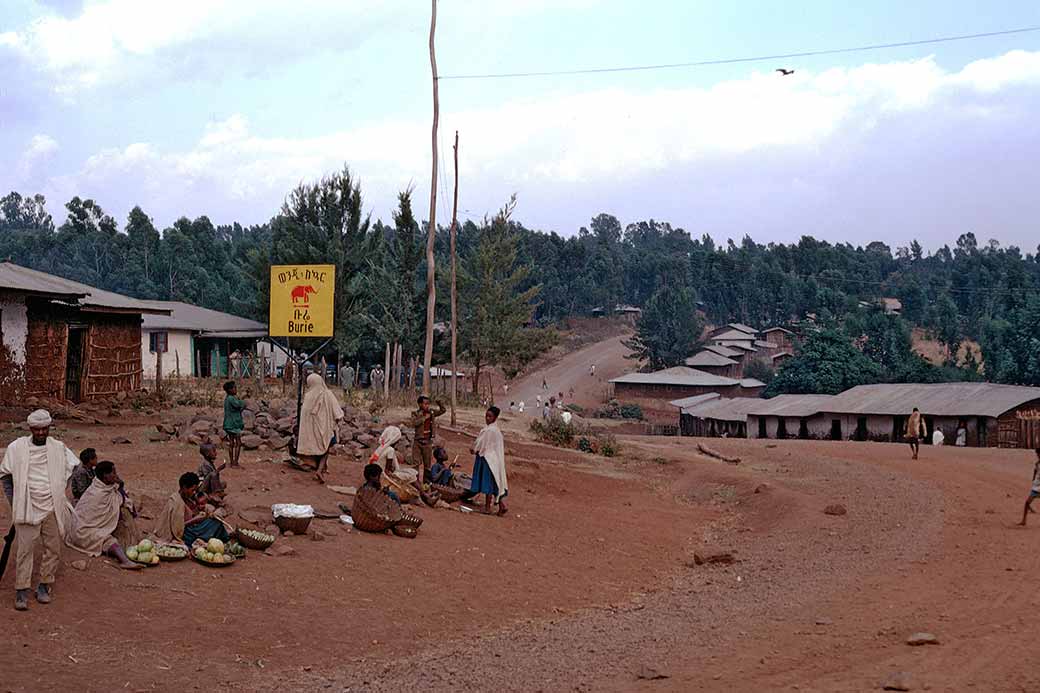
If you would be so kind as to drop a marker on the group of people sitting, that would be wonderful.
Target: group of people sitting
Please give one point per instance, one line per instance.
(388, 485)
(58, 498)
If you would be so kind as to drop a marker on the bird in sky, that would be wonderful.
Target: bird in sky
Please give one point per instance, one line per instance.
(784, 71)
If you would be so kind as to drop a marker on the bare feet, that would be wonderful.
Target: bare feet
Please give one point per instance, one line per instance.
(130, 565)
(319, 477)
(502, 510)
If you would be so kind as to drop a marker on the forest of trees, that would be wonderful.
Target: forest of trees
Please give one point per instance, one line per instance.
(512, 276)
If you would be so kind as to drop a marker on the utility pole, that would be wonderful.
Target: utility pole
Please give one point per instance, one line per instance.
(431, 289)
(454, 291)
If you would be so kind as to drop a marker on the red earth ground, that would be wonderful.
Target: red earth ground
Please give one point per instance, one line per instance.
(589, 584)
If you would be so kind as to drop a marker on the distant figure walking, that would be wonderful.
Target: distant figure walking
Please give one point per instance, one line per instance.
(915, 430)
(521, 406)
(545, 384)
(1034, 491)
(592, 370)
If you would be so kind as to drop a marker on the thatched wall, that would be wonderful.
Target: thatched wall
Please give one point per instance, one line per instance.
(113, 355)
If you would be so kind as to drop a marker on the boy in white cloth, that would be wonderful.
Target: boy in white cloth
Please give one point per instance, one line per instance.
(489, 465)
(34, 474)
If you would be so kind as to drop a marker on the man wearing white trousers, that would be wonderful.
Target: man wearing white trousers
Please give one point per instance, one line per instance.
(34, 473)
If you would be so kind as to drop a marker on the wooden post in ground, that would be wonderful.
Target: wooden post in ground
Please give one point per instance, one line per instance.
(454, 296)
(431, 289)
(158, 368)
(386, 373)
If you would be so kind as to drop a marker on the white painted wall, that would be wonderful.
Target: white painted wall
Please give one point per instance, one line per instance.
(14, 323)
(178, 346)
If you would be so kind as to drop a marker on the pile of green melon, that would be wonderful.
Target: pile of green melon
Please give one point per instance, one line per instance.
(143, 552)
(213, 553)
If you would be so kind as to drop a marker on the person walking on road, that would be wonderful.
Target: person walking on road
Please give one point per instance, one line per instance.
(1034, 491)
(915, 431)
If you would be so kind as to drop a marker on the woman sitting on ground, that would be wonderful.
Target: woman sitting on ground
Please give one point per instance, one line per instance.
(102, 521)
(186, 518)
(489, 465)
(377, 509)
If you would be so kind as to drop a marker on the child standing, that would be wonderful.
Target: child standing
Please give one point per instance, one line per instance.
(1034, 492)
(233, 423)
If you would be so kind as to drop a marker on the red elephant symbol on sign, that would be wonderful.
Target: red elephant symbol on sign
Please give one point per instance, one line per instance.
(300, 294)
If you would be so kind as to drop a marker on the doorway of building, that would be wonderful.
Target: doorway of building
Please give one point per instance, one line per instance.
(835, 429)
(74, 363)
(803, 429)
(861, 428)
(762, 427)
(781, 428)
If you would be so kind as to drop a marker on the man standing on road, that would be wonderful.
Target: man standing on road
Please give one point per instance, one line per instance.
(592, 370)
(34, 474)
(424, 421)
(915, 430)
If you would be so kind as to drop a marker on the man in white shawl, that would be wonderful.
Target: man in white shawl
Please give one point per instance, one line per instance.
(34, 473)
(99, 518)
(489, 465)
(318, 418)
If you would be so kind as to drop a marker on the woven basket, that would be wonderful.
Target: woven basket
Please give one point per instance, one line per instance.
(374, 511)
(405, 531)
(251, 543)
(296, 525)
(448, 494)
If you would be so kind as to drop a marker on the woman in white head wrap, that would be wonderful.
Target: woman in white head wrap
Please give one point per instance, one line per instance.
(401, 480)
(318, 418)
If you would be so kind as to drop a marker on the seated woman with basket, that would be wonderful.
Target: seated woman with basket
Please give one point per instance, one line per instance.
(186, 517)
(377, 509)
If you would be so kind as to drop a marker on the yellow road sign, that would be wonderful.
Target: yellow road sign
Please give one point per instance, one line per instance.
(302, 300)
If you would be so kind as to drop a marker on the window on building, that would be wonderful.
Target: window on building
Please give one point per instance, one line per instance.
(158, 342)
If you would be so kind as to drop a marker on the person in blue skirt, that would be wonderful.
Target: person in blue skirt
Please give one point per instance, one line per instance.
(489, 465)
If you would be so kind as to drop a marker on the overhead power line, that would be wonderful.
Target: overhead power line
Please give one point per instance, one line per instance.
(752, 59)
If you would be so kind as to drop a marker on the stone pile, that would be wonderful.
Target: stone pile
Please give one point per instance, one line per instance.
(270, 426)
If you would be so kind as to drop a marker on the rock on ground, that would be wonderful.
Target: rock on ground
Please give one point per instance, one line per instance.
(897, 681)
(835, 509)
(922, 639)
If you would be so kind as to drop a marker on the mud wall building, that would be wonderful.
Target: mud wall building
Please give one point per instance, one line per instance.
(66, 340)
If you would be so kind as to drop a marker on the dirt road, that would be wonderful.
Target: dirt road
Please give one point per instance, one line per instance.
(572, 372)
(589, 584)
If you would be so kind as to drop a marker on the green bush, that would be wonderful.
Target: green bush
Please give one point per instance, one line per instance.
(554, 431)
(631, 411)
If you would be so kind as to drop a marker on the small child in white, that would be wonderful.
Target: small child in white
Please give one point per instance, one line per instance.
(1034, 492)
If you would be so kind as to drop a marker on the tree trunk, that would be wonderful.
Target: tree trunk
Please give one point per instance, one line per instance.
(386, 376)
(431, 290)
(454, 294)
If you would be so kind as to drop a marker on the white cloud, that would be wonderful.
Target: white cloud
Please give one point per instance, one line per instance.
(886, 149)
(40, 149)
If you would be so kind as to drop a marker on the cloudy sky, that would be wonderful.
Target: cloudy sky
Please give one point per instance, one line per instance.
(219, 107)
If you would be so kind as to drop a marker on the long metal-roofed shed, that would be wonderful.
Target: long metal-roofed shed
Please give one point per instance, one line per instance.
(991, 414)
(676, 382)
(204, 343)
(65, 340)
(716, 417)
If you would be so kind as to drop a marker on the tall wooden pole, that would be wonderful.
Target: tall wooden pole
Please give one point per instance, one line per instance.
(454, 295)
(431, 290)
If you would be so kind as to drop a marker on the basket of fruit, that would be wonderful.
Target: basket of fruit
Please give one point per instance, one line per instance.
(211, 554)
(235, 549)
(254, 538)
(171, 552)
(143, 553)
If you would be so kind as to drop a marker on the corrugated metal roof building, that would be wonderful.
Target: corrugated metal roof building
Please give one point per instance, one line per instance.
(983, 414)
(677, 382)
